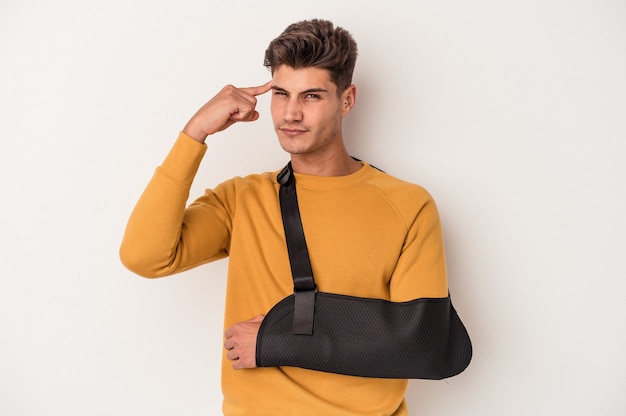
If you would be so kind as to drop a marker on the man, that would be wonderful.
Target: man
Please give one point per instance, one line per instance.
(369, 234)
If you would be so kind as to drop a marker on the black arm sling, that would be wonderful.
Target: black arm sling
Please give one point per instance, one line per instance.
(419, 339)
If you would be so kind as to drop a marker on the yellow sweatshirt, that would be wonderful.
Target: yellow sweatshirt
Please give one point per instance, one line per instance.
(368, 233)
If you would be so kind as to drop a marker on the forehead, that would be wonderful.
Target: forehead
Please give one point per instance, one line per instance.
(302, 79)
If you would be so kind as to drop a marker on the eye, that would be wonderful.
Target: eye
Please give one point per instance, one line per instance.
(281, 93)
(312, 96)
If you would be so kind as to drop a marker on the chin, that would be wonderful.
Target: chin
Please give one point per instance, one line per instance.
(293, 148)
(294, 151)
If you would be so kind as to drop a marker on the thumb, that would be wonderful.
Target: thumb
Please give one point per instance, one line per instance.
(258, 318)
(237, 116)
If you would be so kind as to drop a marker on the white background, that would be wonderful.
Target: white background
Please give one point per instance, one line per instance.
(511, 113)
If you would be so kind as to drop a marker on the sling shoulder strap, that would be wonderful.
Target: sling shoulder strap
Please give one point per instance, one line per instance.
(301, 271)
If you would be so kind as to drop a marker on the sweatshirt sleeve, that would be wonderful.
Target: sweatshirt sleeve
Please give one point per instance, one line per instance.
(421, 269)
(164, 237)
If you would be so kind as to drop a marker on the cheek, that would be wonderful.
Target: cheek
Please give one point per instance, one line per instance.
(331, 117)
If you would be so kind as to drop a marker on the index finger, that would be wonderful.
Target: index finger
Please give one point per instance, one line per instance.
(261, 89)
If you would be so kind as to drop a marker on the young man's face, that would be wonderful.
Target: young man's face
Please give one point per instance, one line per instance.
(307, 111)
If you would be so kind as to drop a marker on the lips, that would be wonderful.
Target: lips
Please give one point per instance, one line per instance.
(290, 131)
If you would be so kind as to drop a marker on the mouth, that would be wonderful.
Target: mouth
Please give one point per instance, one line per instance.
(291, 131)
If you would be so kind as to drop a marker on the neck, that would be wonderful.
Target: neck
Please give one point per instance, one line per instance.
(335, 164)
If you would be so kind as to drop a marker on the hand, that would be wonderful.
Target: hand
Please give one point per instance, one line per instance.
(229, 106)
(241, 343)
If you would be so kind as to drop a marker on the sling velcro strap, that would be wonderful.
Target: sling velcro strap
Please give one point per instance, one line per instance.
(301, 271)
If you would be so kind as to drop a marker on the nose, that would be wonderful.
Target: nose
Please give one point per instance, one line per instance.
(293, 110)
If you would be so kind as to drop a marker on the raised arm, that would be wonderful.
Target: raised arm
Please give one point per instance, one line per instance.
(163, 236)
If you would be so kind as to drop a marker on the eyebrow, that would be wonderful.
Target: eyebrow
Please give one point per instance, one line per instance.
(309, 91)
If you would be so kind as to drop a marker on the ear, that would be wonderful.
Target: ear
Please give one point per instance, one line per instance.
(348, 100)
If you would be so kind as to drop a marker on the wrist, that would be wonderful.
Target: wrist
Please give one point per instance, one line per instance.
(197, 134)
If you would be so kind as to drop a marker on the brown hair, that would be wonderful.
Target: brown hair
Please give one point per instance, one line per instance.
(315, 43)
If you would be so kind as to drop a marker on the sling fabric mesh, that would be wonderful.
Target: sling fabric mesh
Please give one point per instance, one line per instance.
(423, 338)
